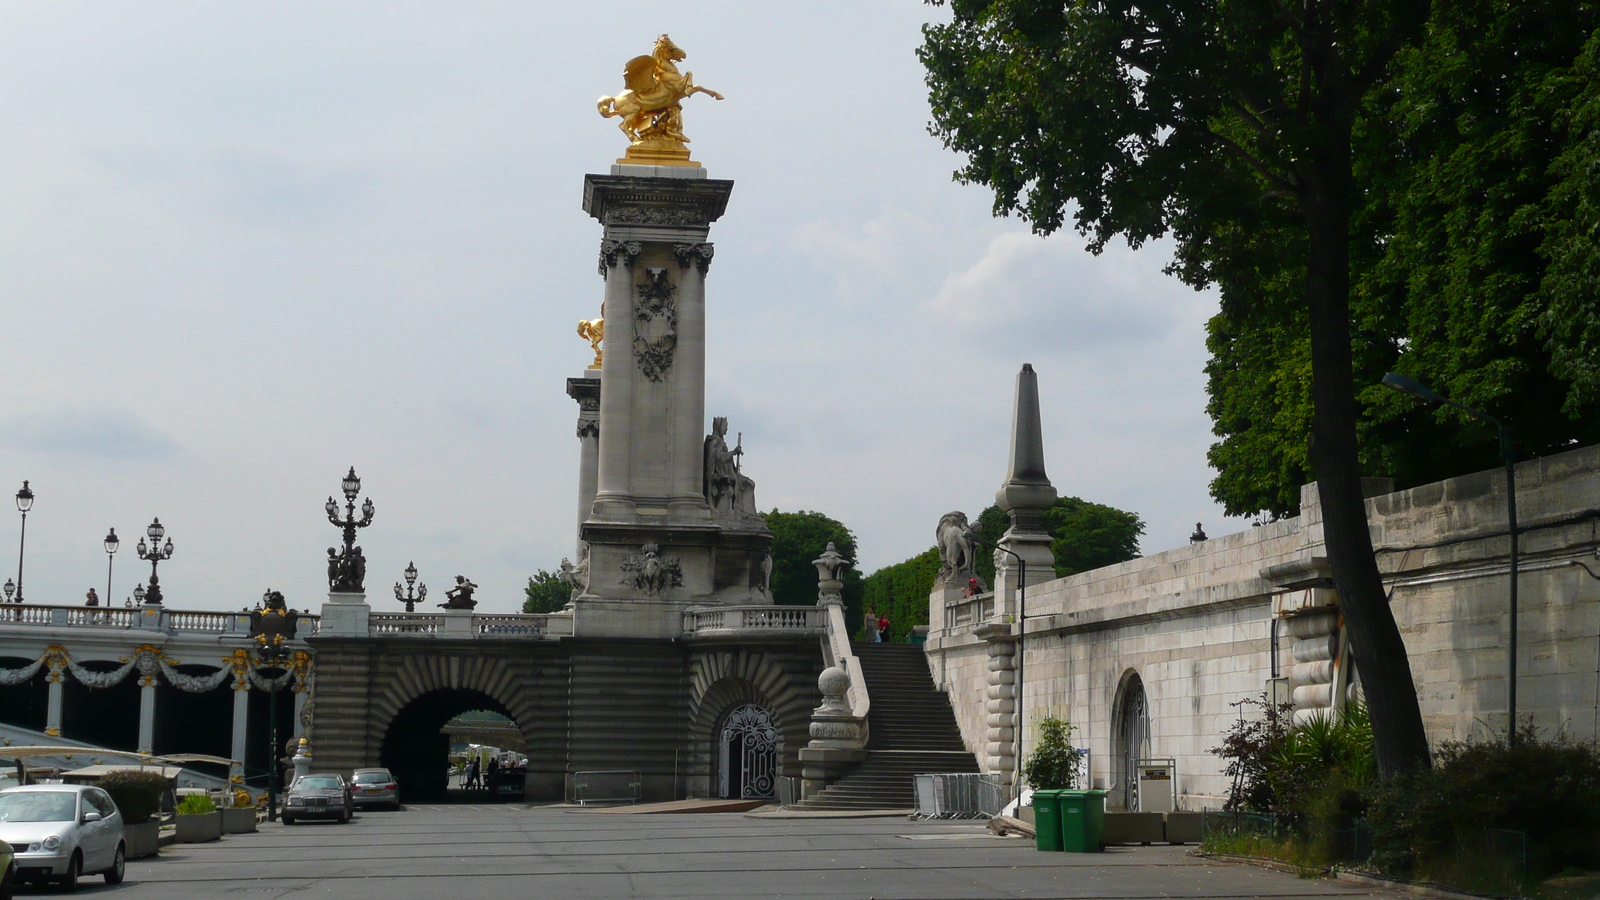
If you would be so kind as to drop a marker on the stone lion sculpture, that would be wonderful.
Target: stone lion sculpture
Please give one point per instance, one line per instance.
(954, 540)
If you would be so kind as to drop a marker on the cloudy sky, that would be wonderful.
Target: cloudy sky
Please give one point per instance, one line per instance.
(250, 244)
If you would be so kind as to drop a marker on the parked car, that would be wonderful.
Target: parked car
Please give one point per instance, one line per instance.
(374, 787)
(8, 871)
(321, 796)
(59, 832)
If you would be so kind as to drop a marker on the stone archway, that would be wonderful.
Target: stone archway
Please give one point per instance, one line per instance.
(780, 682)
(1130, 739)
(414, 747)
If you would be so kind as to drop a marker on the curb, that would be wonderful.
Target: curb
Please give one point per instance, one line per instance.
(1421, 888)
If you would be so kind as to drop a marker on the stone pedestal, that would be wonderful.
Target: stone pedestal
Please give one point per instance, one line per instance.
(345, 615)
(838, 738)
(457, 623)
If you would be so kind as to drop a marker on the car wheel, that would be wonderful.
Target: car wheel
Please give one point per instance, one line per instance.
(344, 818)
(288, 819)
(119, 866)
(69, 882)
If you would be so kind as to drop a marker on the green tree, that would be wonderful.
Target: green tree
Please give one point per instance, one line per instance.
(1202, 120)
(546, 593)
(1468, 216)
(798, 538)
(1090, 535)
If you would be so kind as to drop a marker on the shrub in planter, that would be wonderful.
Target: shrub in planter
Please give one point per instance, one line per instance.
(196, 805)
(1053, 763)
(137, 792)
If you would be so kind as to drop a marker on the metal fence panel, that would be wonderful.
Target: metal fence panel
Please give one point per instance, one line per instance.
(959, 795)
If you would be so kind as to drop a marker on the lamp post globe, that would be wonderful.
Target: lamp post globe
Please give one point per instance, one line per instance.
(24, 503)
(111, 545)
(154, 552)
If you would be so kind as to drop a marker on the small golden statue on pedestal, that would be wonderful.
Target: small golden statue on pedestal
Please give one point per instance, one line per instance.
(594, 331)
(652, 116)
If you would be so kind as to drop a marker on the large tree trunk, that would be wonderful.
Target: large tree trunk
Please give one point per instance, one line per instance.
(1375, 642)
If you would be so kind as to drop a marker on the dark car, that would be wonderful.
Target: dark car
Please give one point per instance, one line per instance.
(322, 796)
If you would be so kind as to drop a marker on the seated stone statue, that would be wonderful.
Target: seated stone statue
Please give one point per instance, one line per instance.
(460, 596)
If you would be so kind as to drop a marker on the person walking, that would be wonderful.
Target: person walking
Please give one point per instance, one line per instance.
(883, 628)
(472, 774)
(494, 771)
(869, 626)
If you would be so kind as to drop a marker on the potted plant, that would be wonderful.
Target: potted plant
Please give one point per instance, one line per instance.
(1053, 765)
(198, 820)
(137, 793)
(240, 818)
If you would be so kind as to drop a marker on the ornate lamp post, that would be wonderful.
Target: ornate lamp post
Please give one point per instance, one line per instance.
(415, 593)
(111, 549)
(272, 626)
(138, 594)
(11, 588)
(347, 571)
(1422, 392)
(24, 503)
(155, 553)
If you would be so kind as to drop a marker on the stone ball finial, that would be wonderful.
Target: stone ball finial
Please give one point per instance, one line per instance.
(833, 682)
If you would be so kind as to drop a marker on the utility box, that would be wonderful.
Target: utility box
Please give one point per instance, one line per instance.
(1158, 785)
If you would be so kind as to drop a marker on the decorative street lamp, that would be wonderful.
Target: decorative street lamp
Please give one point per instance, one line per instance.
(111, 549)
(24, 503)
(11, 588)
(348, 570)
(155, 553)
(1507, 450)
(272, 626)
(411, 597)
(138, 594)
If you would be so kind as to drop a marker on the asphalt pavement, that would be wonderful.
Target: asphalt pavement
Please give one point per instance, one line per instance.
(513, 851)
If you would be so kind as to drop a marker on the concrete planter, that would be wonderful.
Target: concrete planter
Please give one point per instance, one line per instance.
(197, 829)
(240, 820)
(1134, 828)
(1184, 827)
(141, 840)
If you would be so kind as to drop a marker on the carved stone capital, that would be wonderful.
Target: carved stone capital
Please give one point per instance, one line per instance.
(614, 252)
(588, 428)
(698, 254)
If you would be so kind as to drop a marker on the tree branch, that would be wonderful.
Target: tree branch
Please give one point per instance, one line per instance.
(1283, 185)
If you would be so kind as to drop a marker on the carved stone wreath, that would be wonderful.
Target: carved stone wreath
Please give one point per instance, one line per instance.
(656, 301)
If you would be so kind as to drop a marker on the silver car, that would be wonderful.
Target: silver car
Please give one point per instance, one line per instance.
(62, 831)
(374, 787)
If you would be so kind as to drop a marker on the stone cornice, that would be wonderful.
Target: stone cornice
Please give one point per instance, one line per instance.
(665, 202)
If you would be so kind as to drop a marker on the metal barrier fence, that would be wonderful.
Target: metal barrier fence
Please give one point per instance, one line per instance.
(958, 796)
(608, 786)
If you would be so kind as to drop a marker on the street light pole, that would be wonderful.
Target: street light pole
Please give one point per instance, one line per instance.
(1416, 389)
(24, 503)
(111, 550)
(155, 553)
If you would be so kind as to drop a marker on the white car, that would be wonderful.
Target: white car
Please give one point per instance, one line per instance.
(62, 831)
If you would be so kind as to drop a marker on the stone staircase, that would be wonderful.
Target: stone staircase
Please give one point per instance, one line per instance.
(911, 730)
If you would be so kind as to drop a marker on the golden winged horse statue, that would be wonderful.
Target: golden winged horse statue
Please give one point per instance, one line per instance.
(650, 107)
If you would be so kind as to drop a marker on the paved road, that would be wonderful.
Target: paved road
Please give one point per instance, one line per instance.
(503, 851)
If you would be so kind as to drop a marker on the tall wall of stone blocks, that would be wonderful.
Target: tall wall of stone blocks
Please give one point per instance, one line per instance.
(1196, 624)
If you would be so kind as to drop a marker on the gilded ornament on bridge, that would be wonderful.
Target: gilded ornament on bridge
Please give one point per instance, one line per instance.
(594, 331)
(651, 107)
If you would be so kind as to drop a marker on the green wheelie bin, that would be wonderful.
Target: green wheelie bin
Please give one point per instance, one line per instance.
(1047, 819)
(1083, 820)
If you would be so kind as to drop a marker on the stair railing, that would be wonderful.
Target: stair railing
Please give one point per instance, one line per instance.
(836, 651)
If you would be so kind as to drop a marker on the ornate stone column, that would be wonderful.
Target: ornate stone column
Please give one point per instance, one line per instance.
(586, 390)
(241, 714)
(56, 661)
(1026, 495)
(147, 713)
(1000, 713)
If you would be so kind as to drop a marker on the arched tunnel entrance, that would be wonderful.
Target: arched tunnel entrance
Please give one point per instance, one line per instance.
(417, 751)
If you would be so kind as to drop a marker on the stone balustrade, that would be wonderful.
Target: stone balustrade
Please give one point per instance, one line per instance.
(753, 620)
(152, 618)
(458, 624)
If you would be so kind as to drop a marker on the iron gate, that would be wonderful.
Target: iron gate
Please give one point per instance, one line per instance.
(747, 754)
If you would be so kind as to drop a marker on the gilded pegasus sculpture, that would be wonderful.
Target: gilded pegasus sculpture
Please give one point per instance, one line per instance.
(650, 108)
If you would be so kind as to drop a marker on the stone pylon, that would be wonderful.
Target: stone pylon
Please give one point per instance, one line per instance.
(1025, 496)
(659, 540)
